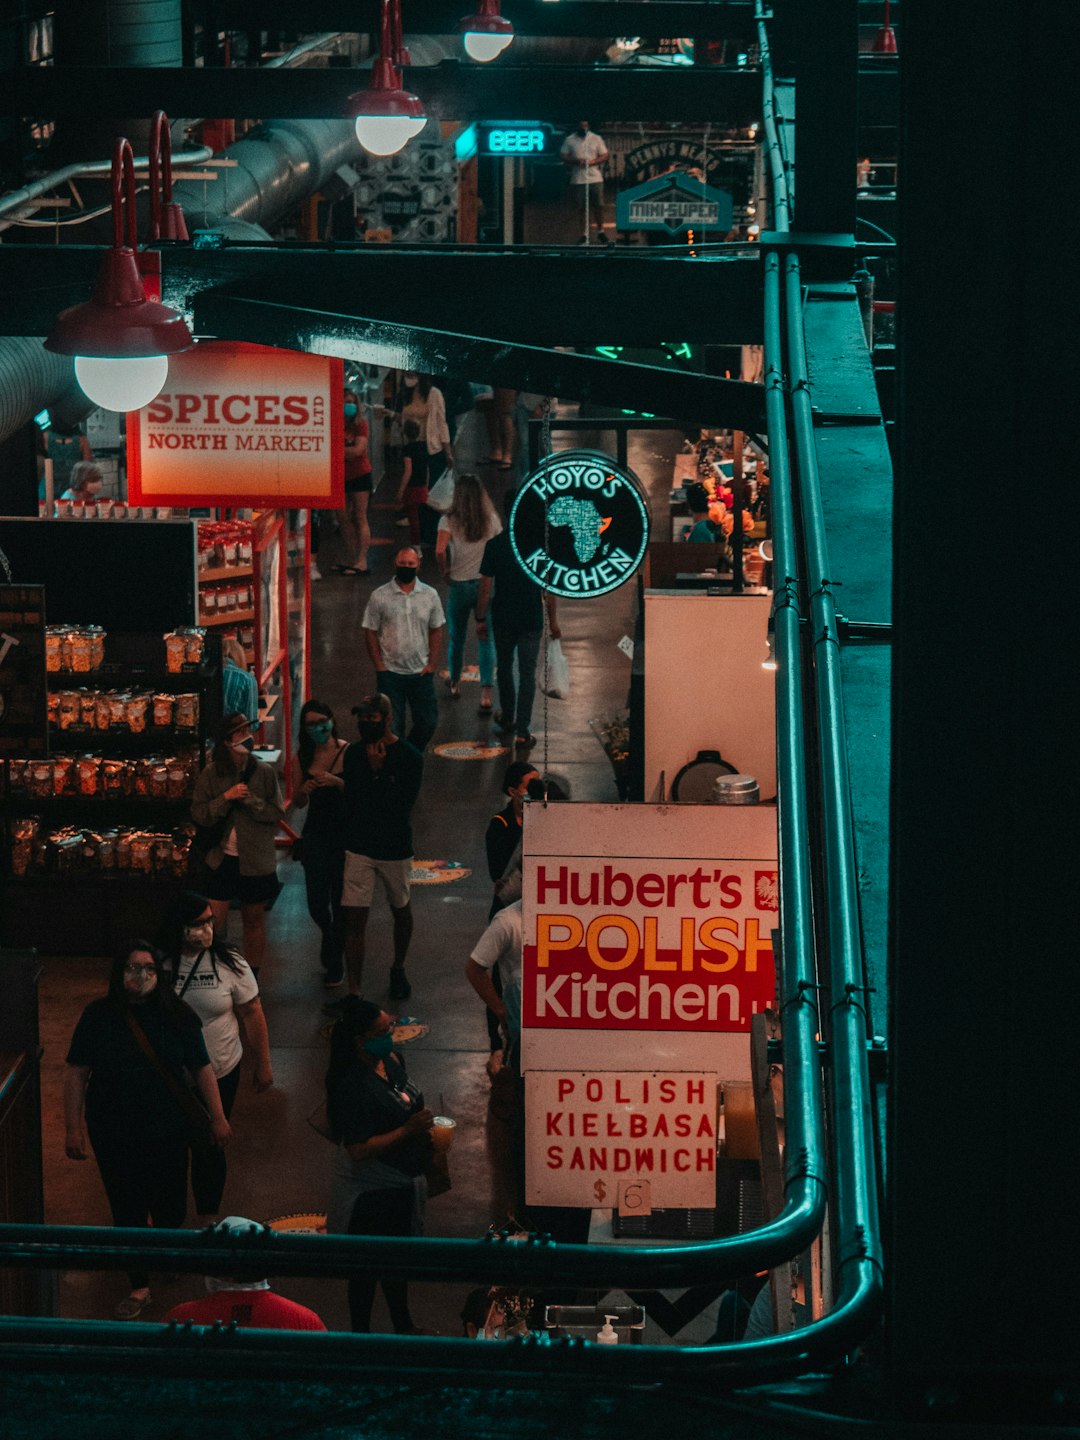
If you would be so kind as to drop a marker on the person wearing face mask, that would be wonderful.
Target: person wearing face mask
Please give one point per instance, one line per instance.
(216, 981)
(318, 786)
(521, 782)
(382, 1130)
(382, 782)
(404, 627)
(238, 806)
(585, 154)
(355, 530)
(126, 1098)
(85, 483)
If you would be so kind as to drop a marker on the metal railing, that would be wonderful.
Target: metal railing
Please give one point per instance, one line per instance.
(200, 1351)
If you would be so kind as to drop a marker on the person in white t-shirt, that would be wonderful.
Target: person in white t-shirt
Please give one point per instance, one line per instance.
(584, 153)
(218, 984)
(463, 533)
(500, 945)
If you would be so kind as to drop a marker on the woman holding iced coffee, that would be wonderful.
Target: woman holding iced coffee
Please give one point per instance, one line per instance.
(383, 1131)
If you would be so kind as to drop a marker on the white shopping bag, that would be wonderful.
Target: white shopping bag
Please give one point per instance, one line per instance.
(558, 672)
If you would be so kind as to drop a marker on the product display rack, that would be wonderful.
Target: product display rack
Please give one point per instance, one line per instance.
(113, 902)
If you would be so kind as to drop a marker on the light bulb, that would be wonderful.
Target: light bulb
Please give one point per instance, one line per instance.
(121, 384)
(387, 134)
(769, 663)
(483, 47)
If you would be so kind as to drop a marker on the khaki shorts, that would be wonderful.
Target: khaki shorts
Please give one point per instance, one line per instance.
(360, 872)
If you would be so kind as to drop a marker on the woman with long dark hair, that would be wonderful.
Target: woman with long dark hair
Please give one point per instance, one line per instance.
(124, 1098)
(355, 530)
(216, 982)
(464, 530)
(319, 787)
(238, 806)
(425, 406)
(382, 1130)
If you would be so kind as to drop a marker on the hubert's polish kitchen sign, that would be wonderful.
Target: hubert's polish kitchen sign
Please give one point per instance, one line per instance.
(647, 949)
(240, 424)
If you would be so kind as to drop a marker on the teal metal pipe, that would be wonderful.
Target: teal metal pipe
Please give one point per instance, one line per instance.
(860, 1264)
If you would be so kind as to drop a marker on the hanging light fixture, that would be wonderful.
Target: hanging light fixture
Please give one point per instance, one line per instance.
(387, 116)
(166, 214)
(884, 42)
(121, 340)
(486, 34)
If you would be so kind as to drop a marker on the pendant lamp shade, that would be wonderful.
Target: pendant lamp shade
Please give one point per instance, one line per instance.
(121, 340)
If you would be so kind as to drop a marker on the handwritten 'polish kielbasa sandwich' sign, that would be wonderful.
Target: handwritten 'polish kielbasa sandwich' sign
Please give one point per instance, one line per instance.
(240, 424)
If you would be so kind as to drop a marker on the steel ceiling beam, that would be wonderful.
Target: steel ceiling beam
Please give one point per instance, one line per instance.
(553, 296)
(452, 90)
(690, 396)
(652, 19)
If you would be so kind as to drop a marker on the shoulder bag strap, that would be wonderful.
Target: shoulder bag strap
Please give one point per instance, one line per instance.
(190, 1107)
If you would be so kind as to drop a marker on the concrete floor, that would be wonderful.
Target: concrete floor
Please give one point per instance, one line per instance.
(277, 1164)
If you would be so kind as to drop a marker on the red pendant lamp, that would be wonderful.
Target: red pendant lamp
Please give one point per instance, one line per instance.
(121, 340)
(387, 116)
(486, 34)
(884, 42)
(166, 215)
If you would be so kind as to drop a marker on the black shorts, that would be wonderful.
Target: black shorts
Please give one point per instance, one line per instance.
(360, 485)
(226, 883)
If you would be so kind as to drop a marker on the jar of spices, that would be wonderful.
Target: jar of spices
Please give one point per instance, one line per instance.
(142, 853)
(208, 601)
(54, 647)
(174, 653)
(135, 711)
(186, 714)
(87, 708)
(17, 773)
(63, 770)
(81, 651)
(194, 641)
(178, 780)
(69, 709)
(103, 709)
(53, 706)
(117, 707)
(159, 780)
(66, 653)
(111, 778)
(163, 710)
(123, 850)
(89, 770)
(97, 646)
(107, 850)
(140, 786)
(40, 779)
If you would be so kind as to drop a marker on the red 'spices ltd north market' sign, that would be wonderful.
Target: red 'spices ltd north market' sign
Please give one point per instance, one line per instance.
(242, 425)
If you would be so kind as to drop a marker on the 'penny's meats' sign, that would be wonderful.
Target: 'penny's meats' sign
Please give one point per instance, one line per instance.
(241, 424)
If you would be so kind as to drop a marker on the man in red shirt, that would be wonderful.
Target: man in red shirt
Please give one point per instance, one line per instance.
(250, 1304)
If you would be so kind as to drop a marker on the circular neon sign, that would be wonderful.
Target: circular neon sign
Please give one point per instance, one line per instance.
(579, 524)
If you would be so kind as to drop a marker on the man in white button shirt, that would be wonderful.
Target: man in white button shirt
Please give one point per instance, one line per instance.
(404, 627)
(584, 153)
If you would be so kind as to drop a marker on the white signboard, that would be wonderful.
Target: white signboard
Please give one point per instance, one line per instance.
(596, 1137)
